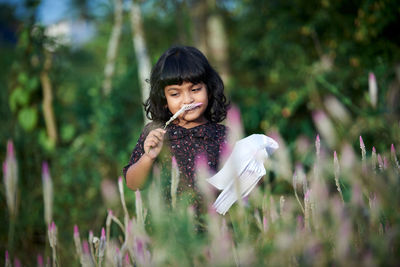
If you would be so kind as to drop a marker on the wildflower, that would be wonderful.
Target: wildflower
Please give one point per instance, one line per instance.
(307, 210)
(77, 241)
(373, 89)
(139, 209)
(52, 233)
(40, 262)
(47, 193)
(10, 174)
(337, 172)
(102, 245)
(295, 190)
(8, 263)
(336, 109)
(17, 262)
(325, 127)
(265, 224)
(122, 196)
(374, 159)
(394, 157)
(174, 181)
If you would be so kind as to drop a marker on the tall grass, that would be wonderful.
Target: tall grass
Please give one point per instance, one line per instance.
(345, 215)
(343, 210)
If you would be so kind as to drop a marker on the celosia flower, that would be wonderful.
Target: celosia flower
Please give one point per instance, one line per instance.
(325, 127)
(373, 89)
(47, 193)
(77, 241)
(174, 181)
(139, 209)
(10, 172)
(394, 157)
(122, 196)
(40, 261)
(336, 170)
(8, 263)
(102, 244)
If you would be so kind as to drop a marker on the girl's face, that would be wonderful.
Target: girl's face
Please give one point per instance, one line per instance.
(187, 93)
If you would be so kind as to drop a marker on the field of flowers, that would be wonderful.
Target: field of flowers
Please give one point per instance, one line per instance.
(343, 210)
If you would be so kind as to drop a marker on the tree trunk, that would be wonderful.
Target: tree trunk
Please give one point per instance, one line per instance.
(48, 112)
(199, 18)
(142, 57)
(217, 41)
(113, 47)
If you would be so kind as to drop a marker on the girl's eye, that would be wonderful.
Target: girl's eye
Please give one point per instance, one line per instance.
(174, 94)
(196, 89)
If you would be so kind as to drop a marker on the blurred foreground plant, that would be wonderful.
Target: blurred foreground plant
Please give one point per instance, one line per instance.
(347, 213)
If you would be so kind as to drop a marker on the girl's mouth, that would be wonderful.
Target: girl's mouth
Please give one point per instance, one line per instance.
(193, 106)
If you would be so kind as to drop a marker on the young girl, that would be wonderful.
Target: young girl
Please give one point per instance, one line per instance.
(181, 76)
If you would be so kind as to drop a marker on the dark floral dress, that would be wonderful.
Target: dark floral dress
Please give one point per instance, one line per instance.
(187, 145)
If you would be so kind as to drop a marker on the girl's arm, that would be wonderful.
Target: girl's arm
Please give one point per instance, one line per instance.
(137, 173)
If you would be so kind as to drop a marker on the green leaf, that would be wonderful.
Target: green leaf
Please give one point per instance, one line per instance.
(45, 142)
(18, 97)
(27, 118)
(67, 132)
(33, 84)
(23, 78)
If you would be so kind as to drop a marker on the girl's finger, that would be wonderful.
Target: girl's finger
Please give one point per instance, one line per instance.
(151, 143)
(158, 133)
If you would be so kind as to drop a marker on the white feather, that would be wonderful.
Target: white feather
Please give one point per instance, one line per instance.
(179, 112)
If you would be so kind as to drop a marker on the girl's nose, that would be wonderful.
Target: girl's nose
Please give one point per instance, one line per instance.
(188, 98)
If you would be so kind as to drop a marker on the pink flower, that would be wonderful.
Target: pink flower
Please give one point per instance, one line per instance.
(373, 89)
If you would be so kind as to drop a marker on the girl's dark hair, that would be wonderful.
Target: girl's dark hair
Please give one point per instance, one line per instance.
(184, 64)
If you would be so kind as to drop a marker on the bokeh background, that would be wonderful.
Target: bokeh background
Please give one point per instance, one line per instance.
(73, 75)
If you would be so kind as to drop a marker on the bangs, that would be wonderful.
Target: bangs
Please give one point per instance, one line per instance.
(182, 67)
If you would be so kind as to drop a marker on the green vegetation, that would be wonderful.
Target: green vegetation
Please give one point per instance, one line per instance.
(295, 68)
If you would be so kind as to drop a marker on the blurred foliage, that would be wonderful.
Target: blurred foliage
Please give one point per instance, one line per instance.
(286, 59)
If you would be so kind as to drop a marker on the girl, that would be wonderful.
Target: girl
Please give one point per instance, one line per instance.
(181, 76)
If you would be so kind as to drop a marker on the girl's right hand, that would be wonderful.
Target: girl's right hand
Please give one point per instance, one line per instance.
(154, 142)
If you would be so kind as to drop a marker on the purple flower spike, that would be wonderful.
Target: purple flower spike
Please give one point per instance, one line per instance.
(103, 233)
(127, 260)
(40, 261)
(120, 179)
(307, 195)
(10, 149)
(373, 89)
(373, 149)
(117, 250)
(138, 195)
(361, 142)
(110, 213)
(174, 163)
(17, 262)
(53, 226)
(318, 140)
(7, 256)
(45, 168)
(265, 223)
(76, 230)
(334, 155)
(393, 150)
(233, 115)
(85, 246)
